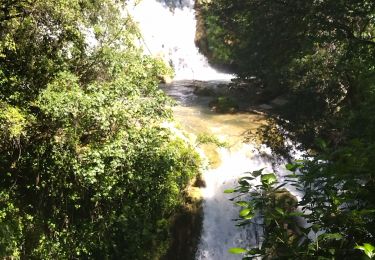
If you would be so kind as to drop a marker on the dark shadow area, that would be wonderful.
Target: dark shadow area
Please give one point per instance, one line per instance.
(187, 225)
(177, 4)
(186, 230)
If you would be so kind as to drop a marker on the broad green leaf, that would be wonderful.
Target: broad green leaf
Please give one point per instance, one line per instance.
(244, 189)
(245, 212)
(250, 216)
(237, 250)
(290, 167)
(242, 203)
(257, 173)
(368, 249)
(243, 183)
(315, 228)
(229, 191)
(269, 178)
(293, 166)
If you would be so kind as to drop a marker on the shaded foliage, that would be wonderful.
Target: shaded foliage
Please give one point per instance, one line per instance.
(285, 233)
(320, 54)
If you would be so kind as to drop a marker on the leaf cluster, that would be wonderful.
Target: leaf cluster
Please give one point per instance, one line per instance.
(324, 224)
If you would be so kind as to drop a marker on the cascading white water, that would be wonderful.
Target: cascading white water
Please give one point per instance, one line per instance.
(168, 29)
(219, 230)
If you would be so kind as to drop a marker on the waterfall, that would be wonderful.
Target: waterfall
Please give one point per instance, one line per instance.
(168, 29)
(219, 230)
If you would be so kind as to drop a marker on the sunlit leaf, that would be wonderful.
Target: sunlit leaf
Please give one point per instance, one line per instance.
(367, 248)
(245, 212)
(269, 178)
(293, 167)
(242, 203)
(237, 250)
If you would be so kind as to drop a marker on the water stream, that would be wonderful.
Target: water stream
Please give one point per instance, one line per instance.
(168, 29)
(227, 165)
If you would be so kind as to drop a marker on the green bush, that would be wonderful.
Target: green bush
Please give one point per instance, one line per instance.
(87, 170)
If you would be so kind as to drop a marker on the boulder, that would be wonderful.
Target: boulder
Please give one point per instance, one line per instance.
(204, 91)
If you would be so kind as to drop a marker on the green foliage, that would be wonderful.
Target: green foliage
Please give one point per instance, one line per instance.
(12, 121)
(321, 54)
(87, 170)
(204, 138)
(336, 222)
(368, 249)
(267, 39)
(277, 207)
(10, 226)
(237, 250)
(212, 38)
(224, 105)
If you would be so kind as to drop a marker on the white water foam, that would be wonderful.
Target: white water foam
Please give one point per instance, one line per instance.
(168, 29)
(219, 230)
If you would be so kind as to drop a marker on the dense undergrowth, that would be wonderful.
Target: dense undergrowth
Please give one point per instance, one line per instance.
(87, 170)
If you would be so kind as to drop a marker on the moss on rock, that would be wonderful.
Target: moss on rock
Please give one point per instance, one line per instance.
(224, 105)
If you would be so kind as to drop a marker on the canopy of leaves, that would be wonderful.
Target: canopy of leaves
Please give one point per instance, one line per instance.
(87, 170)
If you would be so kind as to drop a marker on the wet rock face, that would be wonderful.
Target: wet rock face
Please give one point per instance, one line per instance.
(212, 89)
(204, 91)
(292, 224)
(227, 97)
(285, 200)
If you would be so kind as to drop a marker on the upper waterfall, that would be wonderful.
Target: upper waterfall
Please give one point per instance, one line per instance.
(168, 31)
